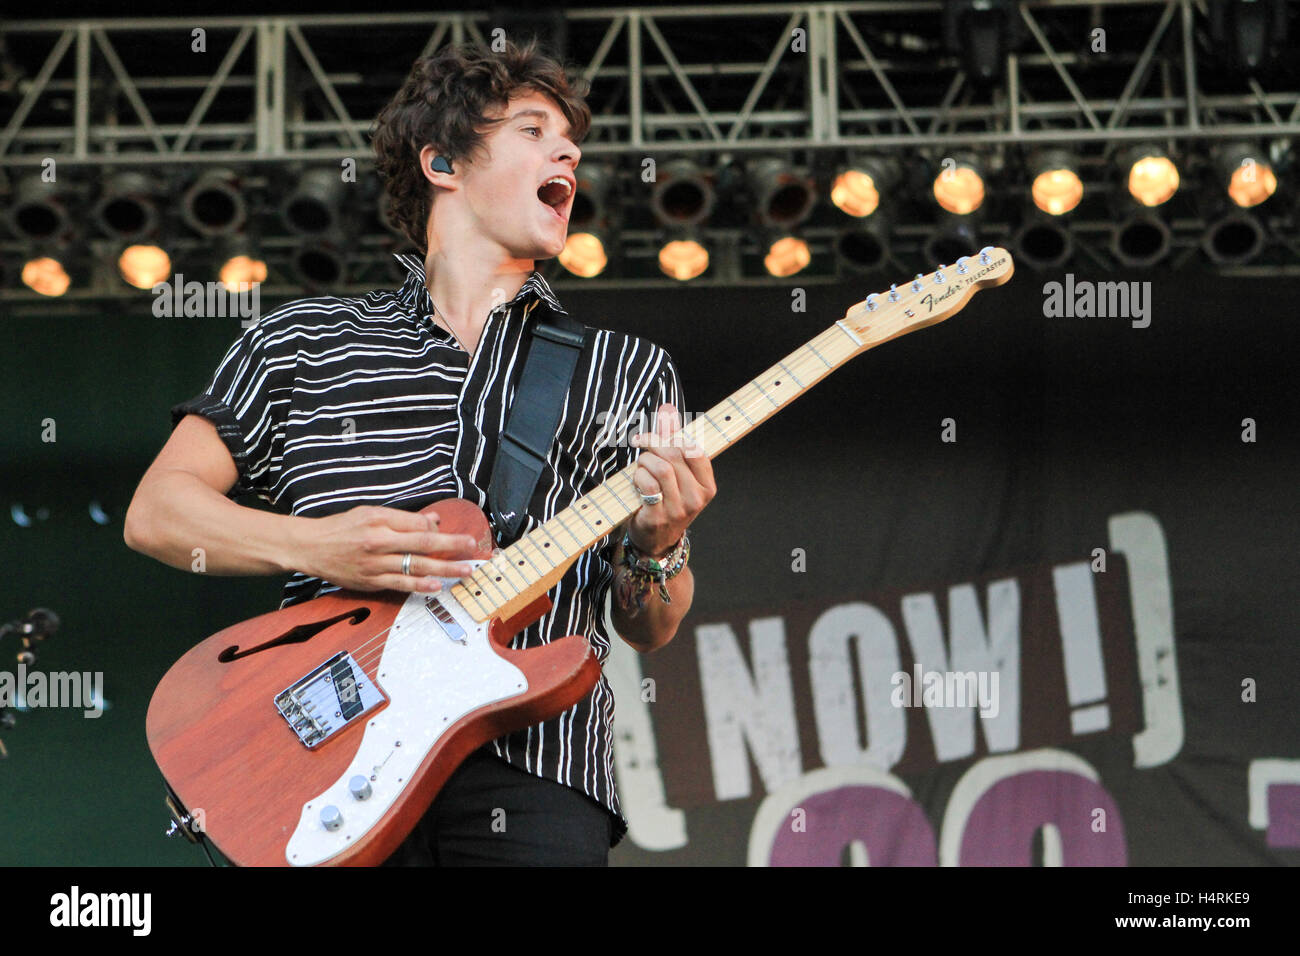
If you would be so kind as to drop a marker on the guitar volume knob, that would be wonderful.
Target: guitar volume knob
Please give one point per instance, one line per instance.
(359, 787)
(331, 818)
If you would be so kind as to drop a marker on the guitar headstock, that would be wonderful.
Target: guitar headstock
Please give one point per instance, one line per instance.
(927, 299)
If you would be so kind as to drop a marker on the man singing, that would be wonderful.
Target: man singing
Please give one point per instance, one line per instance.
(349, 415)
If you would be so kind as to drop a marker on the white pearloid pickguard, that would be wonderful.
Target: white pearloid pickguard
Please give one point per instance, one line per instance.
(431, 681)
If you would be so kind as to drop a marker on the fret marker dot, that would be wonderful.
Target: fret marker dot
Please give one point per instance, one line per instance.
(521, 564)
(546, 545)
(498, 577)
(726, 418)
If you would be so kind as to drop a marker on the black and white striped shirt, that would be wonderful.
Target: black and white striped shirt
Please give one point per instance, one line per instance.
(328, 403)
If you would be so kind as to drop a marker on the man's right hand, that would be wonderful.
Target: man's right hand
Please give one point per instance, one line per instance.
(362, 549)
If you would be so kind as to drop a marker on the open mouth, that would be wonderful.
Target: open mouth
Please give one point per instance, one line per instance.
(554, 194)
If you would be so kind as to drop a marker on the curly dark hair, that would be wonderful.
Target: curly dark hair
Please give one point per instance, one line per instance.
(443, 103)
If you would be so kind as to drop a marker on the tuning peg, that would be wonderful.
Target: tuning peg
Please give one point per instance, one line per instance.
(961, 265)
(938, 276)
(984, 255)
(871, 302)
(916, 284)
(893, 293)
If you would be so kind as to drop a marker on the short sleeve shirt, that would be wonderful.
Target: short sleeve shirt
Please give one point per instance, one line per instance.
(328, 403)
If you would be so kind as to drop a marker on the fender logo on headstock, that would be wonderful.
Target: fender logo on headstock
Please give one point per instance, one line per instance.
(931, 300)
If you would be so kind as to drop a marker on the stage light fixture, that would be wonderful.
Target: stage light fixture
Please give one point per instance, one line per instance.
(959, 186)
(584, 253)
(239, 261)
(1141, 240)
(590, 207)
(38, 211)
(683, 258)
(858, 186)
(1151, 176)
(786, 256)
(783, 196)
(1043, 243)
(318, 265)
(982, 32)
(1249, 34)
(1245, 172)
(214, 205)
(45, 275)
(1055, 186)
(239, 273)
(683, 195)
(314, 206)
(144, 266)
(864, 247)
(952, 238)
(1233, 239)
(126, 210)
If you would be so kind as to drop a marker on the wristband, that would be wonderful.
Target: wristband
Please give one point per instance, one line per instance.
(641, 571)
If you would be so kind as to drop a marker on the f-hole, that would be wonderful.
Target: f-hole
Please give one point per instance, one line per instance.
(297, 635)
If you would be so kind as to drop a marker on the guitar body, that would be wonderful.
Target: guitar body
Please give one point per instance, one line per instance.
(321, 733)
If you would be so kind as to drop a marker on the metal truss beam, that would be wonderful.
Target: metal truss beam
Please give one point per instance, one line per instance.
(811, 76)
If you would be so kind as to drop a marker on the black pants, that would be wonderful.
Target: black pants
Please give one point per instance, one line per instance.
(492, 814)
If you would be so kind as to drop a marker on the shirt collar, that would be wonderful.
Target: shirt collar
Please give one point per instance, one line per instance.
(415, 294)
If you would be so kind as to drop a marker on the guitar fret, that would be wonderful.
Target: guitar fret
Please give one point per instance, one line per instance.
(577, 511)
(468, 596)
(610, 485)
(717, 428)
(813, 348)
(539, 549)
(569, 532)
(775, 403)
(791, 374)
(505, 572)
(528, 559)
(739, 409)
(487, 582)
(556, 540)
(596, 505)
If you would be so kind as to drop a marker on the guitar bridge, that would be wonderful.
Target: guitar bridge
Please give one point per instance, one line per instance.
(328, 699)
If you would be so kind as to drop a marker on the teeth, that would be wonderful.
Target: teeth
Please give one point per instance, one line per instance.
(561, 180)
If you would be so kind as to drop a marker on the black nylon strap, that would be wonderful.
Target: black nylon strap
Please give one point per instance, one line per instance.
(530, 426)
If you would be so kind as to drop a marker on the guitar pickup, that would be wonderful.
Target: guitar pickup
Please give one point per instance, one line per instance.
(327, 700)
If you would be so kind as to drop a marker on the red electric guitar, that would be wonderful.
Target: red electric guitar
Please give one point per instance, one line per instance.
(320, 734)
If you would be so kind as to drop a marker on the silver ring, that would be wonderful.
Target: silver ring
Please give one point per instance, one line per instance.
(406, 563)
(654, 499)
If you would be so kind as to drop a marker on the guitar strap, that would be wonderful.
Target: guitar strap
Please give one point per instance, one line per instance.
(555, 344)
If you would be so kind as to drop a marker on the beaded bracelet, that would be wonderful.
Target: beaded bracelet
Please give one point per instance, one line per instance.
(642, 571)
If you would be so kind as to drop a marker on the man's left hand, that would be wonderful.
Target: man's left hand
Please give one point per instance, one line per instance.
(680, 470)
